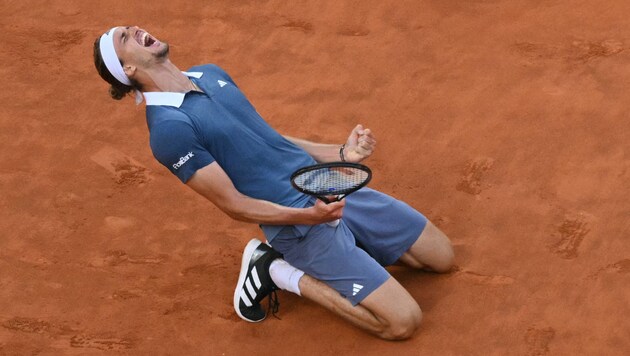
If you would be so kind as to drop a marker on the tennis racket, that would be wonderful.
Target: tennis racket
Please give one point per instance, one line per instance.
(338, 179)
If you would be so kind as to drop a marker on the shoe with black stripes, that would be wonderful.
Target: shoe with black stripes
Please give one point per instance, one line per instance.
(254, 282)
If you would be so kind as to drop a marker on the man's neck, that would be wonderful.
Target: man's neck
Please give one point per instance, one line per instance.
(166, 77)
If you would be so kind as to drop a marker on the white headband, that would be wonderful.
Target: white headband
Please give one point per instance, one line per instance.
(110, 58)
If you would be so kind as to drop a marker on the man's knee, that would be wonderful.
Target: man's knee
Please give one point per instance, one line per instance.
(404, 326)
(434, 250)
(444, 260)
(397, 314)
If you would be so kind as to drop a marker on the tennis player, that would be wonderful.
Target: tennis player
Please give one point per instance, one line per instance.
(205, 131)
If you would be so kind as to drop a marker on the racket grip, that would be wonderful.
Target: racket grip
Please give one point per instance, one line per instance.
(333, 223)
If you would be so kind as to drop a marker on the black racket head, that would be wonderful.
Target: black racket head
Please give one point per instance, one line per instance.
(334, 178)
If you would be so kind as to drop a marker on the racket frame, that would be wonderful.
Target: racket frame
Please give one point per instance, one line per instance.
(340, 195)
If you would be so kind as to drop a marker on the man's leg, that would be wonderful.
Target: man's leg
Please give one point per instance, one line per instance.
(388, 312)
(348, 281)
(432, 251)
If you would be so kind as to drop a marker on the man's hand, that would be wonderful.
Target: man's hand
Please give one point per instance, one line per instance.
(360, 145)
(323, 213)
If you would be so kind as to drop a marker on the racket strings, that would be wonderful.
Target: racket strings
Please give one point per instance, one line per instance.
(331, 181)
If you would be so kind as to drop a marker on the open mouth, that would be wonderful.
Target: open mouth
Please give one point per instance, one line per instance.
(145, 39)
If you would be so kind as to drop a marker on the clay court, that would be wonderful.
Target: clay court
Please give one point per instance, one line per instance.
(504, 122)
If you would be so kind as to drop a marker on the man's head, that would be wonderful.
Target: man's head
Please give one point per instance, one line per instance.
(123, 55)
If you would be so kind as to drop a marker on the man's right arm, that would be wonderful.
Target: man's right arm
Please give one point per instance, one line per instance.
(214, 184)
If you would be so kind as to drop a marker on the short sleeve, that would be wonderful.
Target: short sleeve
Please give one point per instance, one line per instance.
(175, 145)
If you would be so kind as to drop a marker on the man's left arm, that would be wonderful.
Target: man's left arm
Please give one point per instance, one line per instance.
(359, 146)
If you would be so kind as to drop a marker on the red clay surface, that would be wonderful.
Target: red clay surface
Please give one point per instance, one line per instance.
(505, 122)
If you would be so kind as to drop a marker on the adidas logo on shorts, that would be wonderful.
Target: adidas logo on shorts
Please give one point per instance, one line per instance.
(356, 288)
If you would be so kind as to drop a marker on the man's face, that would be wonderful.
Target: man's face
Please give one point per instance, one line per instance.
(136, 46)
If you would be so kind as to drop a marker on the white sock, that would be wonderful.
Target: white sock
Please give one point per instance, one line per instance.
(285, 276)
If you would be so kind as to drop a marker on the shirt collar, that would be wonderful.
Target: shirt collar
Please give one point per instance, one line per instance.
(160, 98)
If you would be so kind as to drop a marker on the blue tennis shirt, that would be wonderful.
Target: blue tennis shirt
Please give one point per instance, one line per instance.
(192, 130)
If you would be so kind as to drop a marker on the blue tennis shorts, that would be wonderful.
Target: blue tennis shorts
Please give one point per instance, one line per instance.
(374, 232)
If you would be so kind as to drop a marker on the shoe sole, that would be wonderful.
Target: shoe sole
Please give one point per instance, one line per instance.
(247, 254)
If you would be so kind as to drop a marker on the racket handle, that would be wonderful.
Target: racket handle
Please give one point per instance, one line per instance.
(333, 223)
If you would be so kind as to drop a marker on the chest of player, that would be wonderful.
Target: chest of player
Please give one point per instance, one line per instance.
(221, 112)
(220, 101)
